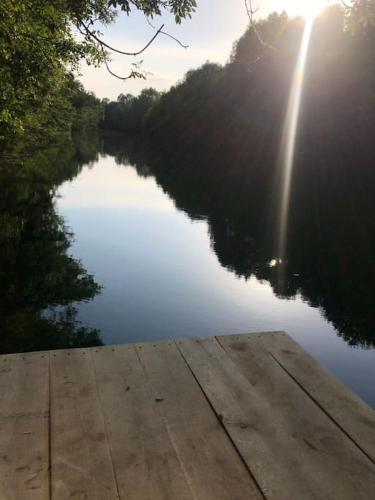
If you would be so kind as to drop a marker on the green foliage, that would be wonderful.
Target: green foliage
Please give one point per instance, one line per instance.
(213, 144)
(179, 8)
(129, 113)
(151, 108)
(38, 51)
(39, 280)
(246, 100)
(247, 97)
(35, 47)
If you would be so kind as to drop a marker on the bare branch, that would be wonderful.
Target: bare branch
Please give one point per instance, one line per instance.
(169, 35)
(85, 30)
(250, 14)
(132, 73)
(104, 44)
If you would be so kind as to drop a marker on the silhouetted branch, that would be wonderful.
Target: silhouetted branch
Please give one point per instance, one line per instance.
(169, 35)
(85, 30)
(132, 74)
(104, 44)
(250, 14)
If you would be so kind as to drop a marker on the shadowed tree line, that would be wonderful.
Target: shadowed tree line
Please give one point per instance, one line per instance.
(129, 114)
(240, 108)
(213, 143)
(330, 246)
(39, 281)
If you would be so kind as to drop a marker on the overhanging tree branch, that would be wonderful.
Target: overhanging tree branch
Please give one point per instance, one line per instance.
(103, 44)
(250, 14)
(85, 30)
(168, 34)
(133, 73)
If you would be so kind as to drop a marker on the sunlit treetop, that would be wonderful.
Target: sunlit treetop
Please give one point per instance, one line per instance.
(306, 8)
(360, 13)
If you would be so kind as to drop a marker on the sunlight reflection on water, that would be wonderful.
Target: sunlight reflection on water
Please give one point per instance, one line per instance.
(162, 279)
(288, 145)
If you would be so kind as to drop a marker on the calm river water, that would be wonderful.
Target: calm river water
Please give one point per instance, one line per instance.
(161, 276)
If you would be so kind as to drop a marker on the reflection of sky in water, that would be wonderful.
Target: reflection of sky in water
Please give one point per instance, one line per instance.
(111, 186)
(161, 278)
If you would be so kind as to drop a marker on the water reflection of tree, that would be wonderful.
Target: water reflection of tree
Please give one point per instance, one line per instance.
(39, 280)
(329, 247)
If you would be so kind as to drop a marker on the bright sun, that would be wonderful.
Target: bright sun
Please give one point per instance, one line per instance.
(306, 8)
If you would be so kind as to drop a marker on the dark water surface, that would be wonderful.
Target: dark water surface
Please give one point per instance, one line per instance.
(100, 253)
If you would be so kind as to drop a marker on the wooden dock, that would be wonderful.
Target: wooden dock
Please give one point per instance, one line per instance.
(232, 417)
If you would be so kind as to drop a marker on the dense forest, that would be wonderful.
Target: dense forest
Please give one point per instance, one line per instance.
(213, 143)
(246, 99)
(330, 260)
(41, 46)
(48, 131)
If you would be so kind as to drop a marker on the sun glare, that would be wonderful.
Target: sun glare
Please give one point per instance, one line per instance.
(306, 8)
(288, 141)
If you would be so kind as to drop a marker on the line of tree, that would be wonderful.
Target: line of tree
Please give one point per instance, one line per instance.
(41, 46)
(42, 43)
(246, 99)
(213, 143)
(129, 113)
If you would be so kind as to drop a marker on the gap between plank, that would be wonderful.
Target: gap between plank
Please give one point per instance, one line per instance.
(321, 408)
(163, 419)
(221, 422)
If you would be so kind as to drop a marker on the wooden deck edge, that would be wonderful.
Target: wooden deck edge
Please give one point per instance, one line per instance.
(129, 344)
(347, 410)
(246, 379)
(340, 403)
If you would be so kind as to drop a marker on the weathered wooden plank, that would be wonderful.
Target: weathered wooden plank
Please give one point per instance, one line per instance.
(24, 434)
(293, 449)
(281, 391)
(350, 412)
(211, 464)
(146, 463)
(80, 455)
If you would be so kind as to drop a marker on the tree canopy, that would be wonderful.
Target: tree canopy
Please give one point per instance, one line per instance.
(40, 48)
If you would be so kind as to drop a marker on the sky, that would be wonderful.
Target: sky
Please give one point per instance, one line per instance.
(210, 34)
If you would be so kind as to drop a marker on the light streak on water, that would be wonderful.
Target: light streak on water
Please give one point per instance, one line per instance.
(288, 143)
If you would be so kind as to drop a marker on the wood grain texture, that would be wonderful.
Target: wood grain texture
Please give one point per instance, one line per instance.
(231, 417)
(80, 455)
(146, 463)
(24, 427)
(348, 410)
(293, 449)
(211, 464)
